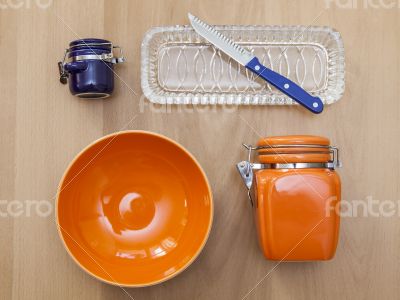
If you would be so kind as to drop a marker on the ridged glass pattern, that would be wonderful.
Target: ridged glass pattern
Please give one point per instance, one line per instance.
(180, 67)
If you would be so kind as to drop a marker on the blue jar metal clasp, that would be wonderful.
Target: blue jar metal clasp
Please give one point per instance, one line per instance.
(88, 67)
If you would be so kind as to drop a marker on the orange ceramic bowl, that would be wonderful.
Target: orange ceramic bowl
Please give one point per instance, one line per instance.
(134, 208)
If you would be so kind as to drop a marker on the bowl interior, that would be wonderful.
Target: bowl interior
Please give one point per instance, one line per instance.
(134, 209)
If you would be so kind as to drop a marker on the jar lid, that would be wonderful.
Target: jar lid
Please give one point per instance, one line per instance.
(101, 43)
(89, 46)
(294, 140)
(294, 149)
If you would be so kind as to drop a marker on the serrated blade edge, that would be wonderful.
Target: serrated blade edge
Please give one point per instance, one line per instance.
(220, 41)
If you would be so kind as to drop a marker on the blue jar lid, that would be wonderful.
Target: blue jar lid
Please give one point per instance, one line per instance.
(89, 46)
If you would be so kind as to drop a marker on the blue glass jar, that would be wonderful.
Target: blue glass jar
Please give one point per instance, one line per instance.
(88, 67)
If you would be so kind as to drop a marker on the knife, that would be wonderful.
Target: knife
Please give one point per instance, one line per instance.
(251, 62)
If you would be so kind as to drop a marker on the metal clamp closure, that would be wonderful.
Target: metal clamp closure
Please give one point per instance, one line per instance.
(246, 168)
(107, 57)
(332, 150)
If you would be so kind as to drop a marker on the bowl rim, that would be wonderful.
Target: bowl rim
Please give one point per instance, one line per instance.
(59, 190)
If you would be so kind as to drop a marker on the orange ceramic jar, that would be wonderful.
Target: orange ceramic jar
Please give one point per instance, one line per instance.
(294, 190)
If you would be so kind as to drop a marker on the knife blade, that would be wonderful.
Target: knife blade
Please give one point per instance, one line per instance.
(251, 62)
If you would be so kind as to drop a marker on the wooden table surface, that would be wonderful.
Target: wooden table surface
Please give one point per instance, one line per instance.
(43, 127)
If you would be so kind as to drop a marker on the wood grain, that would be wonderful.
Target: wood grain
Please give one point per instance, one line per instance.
(43, 127)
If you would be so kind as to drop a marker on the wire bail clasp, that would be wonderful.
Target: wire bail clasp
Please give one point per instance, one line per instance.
(246, 168)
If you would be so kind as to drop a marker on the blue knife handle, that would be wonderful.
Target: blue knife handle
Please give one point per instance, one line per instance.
(286, 86)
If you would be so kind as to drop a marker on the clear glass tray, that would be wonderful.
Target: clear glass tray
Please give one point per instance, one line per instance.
(180, 67)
